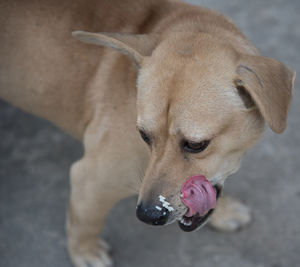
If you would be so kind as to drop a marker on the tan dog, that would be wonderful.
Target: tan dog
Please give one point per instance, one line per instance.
(198, 93)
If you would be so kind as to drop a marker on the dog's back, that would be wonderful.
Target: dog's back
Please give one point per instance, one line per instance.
(43, 70)
(39, 60)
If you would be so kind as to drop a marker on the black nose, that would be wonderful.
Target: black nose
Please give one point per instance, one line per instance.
(152, 214)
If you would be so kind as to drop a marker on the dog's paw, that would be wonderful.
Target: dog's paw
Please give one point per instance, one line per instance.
(230, 215)
(92, 256)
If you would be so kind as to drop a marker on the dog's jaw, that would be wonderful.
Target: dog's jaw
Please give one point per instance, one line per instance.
(189, 224)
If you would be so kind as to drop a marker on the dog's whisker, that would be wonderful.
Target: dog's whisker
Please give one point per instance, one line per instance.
(132, 188)
(141, 174)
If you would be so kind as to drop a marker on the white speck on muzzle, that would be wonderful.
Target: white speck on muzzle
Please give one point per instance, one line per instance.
(165, 203)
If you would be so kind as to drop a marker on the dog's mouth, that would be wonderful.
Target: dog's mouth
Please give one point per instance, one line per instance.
(191, 223)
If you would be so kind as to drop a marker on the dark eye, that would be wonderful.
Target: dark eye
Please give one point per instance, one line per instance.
(145, 137)
(193, 147)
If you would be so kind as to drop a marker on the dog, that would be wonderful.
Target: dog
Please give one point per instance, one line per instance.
(162, 86)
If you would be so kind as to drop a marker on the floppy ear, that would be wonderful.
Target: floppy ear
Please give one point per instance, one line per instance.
(136, 46)
(270, 84)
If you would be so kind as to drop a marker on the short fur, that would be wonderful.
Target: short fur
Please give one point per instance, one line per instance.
(193, 74)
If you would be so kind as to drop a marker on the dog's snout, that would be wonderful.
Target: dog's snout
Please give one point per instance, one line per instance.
(152, 214)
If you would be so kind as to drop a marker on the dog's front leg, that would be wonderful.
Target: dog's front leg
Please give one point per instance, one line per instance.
(230, 215)
(89, 204)
(97, 183)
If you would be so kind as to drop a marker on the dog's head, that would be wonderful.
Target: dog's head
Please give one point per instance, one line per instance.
(201, 104)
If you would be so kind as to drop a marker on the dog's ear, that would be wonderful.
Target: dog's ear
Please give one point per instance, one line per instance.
(270, 84)
(136, 46)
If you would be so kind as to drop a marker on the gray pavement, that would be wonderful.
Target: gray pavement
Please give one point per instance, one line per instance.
(35, 158)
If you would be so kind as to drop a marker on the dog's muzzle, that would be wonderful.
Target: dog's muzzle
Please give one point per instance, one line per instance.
(197, 194)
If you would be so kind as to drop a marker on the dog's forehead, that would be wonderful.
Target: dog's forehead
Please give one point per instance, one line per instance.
(185, 85)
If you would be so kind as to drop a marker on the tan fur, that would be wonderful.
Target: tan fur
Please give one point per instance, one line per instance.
(190, 64)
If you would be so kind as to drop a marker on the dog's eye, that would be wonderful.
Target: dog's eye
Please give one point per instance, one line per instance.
(193, 147)
(145, 137)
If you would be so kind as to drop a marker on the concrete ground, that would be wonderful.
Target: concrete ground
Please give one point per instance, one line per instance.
(35, 158)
